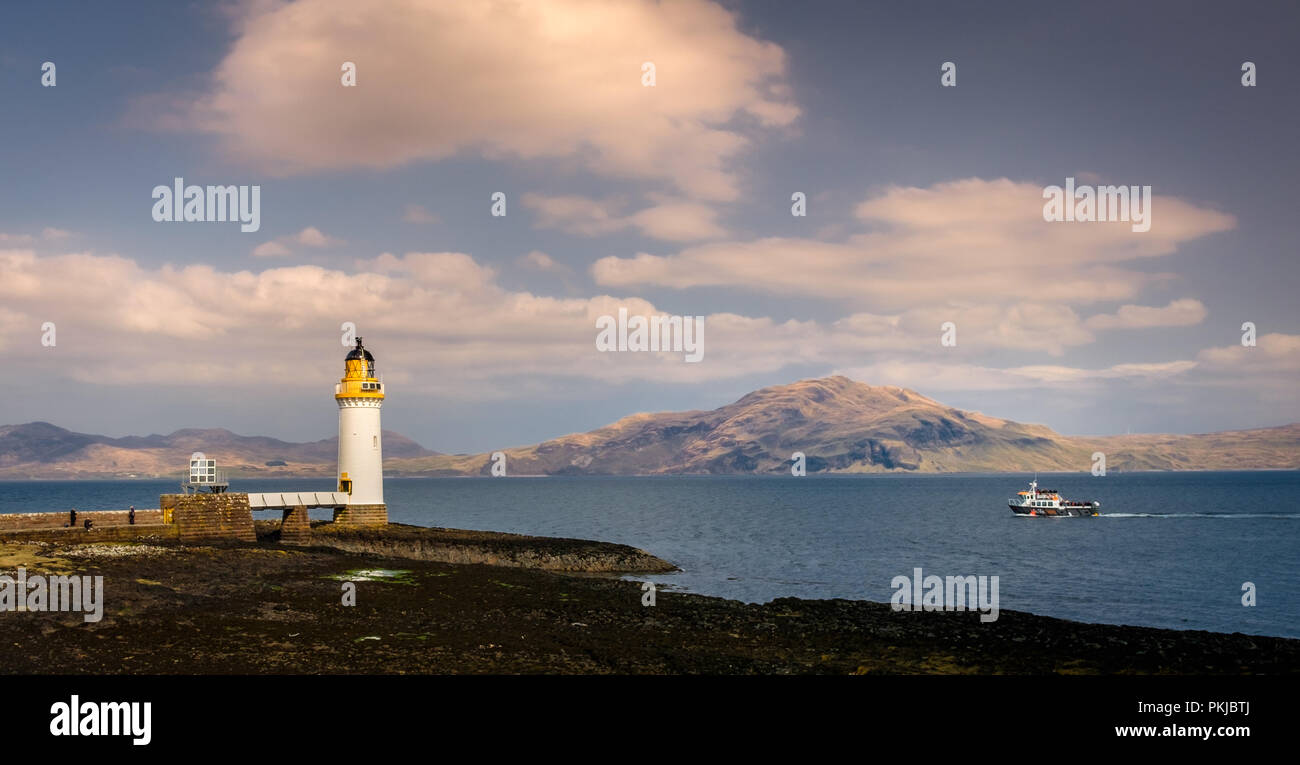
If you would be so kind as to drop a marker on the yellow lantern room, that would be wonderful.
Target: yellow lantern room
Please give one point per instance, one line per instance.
(359, 379)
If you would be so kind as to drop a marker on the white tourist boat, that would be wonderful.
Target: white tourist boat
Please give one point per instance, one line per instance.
(1048, 503)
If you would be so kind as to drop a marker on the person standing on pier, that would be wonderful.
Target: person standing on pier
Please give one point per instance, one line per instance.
(72, 518)
(130, 516)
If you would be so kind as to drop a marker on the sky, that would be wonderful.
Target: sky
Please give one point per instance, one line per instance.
(924, 209)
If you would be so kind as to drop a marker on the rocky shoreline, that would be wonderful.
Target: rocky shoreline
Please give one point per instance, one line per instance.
(427, 601)
(488, 547)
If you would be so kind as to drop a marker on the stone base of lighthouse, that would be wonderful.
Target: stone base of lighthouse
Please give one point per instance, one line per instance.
(361, 515)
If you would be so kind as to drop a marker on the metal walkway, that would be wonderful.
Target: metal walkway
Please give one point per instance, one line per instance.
(288, 499)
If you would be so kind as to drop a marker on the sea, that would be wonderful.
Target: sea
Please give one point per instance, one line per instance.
(1175, 550)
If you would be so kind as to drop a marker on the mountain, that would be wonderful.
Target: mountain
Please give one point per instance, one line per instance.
(846, 426)
(42, 450)
(838, 424)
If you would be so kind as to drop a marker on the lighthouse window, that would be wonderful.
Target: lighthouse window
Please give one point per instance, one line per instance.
(374, 441)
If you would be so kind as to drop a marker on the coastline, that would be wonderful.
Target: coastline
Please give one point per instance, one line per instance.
(234, 474)
(272, 608)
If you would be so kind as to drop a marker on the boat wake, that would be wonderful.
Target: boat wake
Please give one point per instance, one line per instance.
(1201, 515)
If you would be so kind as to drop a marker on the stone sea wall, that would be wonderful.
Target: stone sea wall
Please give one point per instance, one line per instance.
(98, 518)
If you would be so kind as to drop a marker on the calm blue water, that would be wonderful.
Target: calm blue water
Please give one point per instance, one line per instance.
(1170, 550)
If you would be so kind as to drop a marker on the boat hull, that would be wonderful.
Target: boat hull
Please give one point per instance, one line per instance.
(1054, 512)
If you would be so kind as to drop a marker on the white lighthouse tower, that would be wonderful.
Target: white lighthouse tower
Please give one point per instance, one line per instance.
(361, 457)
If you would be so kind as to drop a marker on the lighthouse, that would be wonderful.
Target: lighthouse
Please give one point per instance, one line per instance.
(360, 395)
(359, 501)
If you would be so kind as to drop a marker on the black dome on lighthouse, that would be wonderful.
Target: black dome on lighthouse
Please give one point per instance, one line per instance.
(359, 353)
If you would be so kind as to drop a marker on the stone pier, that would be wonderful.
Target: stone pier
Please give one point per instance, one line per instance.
(295, 529)
(209, 517)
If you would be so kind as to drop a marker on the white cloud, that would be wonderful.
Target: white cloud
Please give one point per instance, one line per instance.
(576, 214)
(48, 234)
(313, 237)
(271, 249)
(540, 261)
(944, 376)
(442, 321)
(671, 220)
(531, 80)
(443, 315)
(308, 237)
(971, 240)
(678, 222)
(413, 213)
(1179, 313)
(1272, 353)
